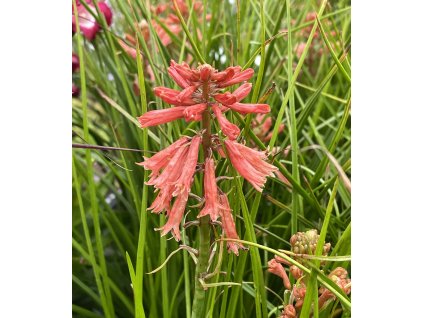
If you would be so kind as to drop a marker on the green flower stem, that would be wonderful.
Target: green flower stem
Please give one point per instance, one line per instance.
(200, 270)
(204, 227)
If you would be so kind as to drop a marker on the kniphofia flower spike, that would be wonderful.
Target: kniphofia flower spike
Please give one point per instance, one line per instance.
(203, 93)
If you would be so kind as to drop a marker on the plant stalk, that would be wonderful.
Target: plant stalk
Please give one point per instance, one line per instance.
(200, 270)
(204, 227)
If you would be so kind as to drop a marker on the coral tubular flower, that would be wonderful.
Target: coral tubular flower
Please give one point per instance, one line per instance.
(162, 158)
(176, 215)
(250, 108)
(210, 188)
(278, 270)
(250, 164)
(87, 22)
(161, 116)
(194, 112)
(229, 129)
(185, 179)
(172, 171)
(228, 224)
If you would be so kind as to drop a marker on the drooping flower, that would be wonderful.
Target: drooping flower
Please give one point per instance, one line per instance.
(278, 270)
(165, 182)
(162, 158)
(87, 22)
(172, 173)
(228, 223)
(176, 215)
(250, 164)
(185, 179)
(230, 130)
(211, 206)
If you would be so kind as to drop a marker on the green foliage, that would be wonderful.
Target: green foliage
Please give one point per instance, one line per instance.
(114, 241)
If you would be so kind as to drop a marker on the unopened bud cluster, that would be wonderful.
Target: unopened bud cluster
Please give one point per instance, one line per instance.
(306, 243)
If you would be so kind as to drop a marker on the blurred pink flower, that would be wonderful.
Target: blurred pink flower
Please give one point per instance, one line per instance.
(75, 63)
(87, 22)
(75, 90)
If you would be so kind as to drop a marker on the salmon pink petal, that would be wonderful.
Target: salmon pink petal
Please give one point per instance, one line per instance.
(256, 159)
(175, 97)
(172, 171)
(175, 216)
(162, 201)
(162, 158)
(229, 129)
(189, 165)
(194, 112)
(250, 108)
(228, 223)
(161, 116)
(226, 98)
(186, 94)
(186, 72)
(226, 74)
(182, 82)
(241, 92)
(238, 78)
(210, 192)
(249, 164)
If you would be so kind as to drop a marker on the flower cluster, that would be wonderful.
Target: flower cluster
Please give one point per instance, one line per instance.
(87, 22)
(305, 243)
(202, 94)
(202, 89)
